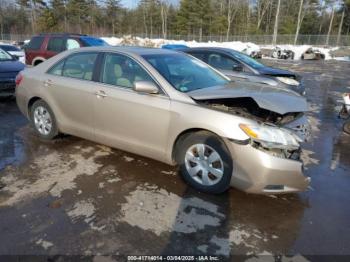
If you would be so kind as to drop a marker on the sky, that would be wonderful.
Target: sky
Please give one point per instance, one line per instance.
(133, 3)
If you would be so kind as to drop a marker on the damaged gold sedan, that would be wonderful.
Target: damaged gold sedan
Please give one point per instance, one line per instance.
(173, 108)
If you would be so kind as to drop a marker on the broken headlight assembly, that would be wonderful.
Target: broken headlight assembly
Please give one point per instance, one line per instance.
(288, 81)
(273, 140)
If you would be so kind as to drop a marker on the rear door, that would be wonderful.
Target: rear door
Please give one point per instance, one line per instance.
(124, 118)
(70, 87)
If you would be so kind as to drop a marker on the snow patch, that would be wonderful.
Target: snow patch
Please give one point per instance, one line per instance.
(244, 47)
(44, 244)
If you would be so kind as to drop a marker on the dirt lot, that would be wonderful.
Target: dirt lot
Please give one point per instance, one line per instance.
(75, 197)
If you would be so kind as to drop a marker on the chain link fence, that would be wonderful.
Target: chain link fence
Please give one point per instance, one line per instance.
(315, 40)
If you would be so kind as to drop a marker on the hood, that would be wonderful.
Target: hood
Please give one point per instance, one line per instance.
(11, 66)
(275, 72)
(267, 97)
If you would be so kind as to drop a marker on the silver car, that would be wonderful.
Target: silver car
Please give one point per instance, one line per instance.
(171, 107)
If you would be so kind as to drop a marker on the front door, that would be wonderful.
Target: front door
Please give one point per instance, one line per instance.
(132, 121)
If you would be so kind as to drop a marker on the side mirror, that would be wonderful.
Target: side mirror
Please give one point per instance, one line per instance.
(147, 87)
(237, 67)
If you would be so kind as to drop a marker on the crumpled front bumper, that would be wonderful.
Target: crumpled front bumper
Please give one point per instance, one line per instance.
(259, 172)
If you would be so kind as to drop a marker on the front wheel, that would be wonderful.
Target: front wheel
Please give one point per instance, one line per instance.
(43, 120)
(205, 163)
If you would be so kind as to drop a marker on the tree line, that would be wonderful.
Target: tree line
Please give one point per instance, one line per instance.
(163, 18)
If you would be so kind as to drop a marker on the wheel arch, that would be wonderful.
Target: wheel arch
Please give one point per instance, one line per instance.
(180, 137)
(31, 102)
(38, 60)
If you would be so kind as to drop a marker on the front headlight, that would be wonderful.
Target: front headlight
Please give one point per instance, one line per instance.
(288, 81)
(271, 136)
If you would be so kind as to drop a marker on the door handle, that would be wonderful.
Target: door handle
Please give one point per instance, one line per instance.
(101, 93)
(48, 82)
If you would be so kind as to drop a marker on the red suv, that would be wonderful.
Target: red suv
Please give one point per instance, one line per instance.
(44, 46)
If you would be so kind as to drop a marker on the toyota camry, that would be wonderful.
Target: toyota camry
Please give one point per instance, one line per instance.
(174, 108)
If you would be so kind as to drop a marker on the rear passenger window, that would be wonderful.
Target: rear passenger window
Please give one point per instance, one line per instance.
(55, 44)
(56, 69)
(35, 43)
(122, 71)
(80, 66)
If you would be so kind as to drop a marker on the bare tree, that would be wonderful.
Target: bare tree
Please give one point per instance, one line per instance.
(231, 13)
(301, 16)
(275, 29)
(164, 15)
(341, 23)
(262, 7)
(330, 24)
(32, 7)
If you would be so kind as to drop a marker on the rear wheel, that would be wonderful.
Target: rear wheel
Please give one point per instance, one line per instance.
(43, 120)
(205, 162)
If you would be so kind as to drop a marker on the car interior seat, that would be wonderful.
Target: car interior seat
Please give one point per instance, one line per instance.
(120, 79)
(73, 70)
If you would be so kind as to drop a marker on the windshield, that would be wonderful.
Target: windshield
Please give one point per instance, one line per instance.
(9, 48)
(4, 55)
(185, 73)
(92, 41)
(248, 60)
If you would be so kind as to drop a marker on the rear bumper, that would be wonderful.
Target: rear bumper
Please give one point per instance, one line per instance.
(22, 102)
(258, 172)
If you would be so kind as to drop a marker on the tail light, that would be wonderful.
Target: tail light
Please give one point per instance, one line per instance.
(19, 79)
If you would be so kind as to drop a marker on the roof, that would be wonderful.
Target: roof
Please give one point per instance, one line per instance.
(131, 50)
(60, 34)
(222, 49)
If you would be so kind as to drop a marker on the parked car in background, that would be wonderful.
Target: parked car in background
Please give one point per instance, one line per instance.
(174, 46)
(14, 51)
(171, 107)
(44, 46)
(313, 54)
(9, 68)
(280, 53)
(239, 66)
(345, 113)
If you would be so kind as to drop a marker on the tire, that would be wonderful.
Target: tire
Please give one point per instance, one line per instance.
(43, 120)
(187, 149)
(37, 62)
(346, 127)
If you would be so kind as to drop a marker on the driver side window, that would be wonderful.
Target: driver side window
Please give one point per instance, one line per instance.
(120, 70)
(223, 62)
